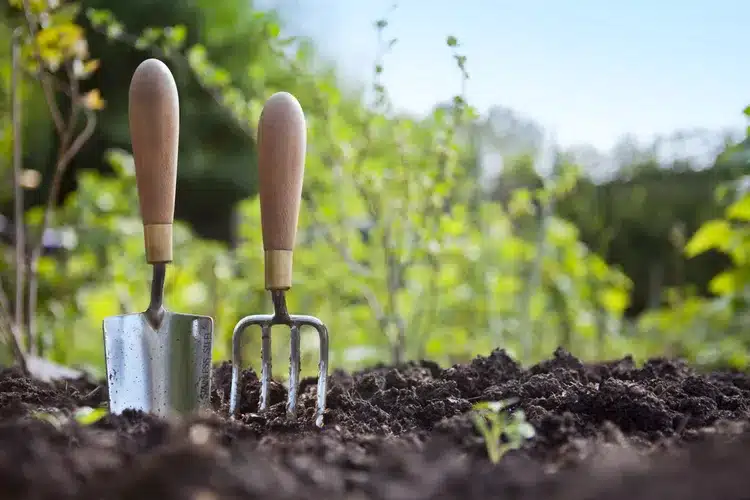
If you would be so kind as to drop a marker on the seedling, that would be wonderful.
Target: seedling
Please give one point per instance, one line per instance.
(502, 431)
(84, 416)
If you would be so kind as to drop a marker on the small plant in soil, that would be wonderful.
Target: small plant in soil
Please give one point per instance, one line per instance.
(84, 416)
(501, 430)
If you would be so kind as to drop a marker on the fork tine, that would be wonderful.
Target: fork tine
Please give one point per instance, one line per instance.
(294, 369)
(237, 335)
(322, 330)
(266, 366)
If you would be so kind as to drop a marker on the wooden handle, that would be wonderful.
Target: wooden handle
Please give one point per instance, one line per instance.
(154, 115)
(282, 137)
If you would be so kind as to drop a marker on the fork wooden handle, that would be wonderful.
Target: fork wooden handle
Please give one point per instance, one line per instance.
(154, 116)
(282, 141)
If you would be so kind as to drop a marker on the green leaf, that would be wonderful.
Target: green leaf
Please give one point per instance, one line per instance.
(197, 57)
(273, 29)
(176, 35)
(740, 210)
(452, 41)
(115, 30)
(614, 300)
(724, 283)
(87, 416)
(66, 14)
(714, 234)
(99, 17)
(148, 38)
(521, 203)
(526, 430)
(47, 417)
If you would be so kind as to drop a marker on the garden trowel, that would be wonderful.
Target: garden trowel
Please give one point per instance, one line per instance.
(157, 361)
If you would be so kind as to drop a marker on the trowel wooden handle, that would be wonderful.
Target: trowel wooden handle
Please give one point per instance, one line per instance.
(282, 138)
(154, 115)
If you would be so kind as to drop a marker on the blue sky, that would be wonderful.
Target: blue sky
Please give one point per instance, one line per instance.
(591, 70)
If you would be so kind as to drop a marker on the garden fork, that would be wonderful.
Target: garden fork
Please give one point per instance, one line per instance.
(281, 164)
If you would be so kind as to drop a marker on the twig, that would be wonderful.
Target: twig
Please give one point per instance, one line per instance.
(393, 272)
(355, 267)
(547, 157)
(66, 155)
(428, 304)
(68, 148)
(179, 59)
(18, 204)
(49, 93)
(11, 332)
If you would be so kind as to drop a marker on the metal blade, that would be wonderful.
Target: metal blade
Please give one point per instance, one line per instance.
(165, 371)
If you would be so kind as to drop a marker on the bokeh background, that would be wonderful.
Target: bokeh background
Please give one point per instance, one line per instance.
(479, 175)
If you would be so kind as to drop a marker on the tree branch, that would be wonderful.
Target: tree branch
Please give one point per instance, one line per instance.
(179, 59)
(354, 266)
(18, 203)
(43, 76)
(426, 306)
(65, 155)
(11, 332)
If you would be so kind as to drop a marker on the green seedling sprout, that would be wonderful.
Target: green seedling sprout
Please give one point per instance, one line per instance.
(87, 416)
(492, 422)
(83, 416)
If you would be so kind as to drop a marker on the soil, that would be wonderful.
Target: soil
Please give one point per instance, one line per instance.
(609, 430)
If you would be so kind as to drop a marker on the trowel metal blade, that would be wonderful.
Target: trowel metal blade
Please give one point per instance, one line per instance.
(165, 371)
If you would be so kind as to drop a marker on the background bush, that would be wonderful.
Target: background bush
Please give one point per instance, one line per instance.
(404, 250)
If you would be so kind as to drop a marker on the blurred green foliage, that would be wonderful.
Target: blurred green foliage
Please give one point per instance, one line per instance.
(714, 331)
(399, 251)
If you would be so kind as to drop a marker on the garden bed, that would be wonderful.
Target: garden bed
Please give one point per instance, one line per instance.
(603, 431)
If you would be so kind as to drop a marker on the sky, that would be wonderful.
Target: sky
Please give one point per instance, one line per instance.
(589, 70)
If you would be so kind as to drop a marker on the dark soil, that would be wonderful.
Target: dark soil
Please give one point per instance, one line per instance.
(608, 430)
